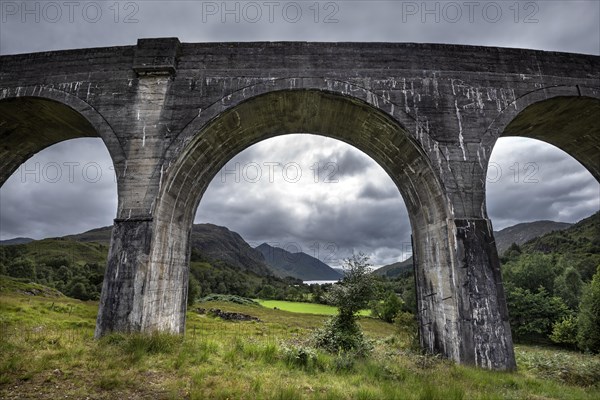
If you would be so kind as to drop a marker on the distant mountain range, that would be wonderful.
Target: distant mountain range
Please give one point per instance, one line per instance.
(519, 234)
(216, 243)
(19, 240)
(211, 243)
(524, 232)
(298, 265)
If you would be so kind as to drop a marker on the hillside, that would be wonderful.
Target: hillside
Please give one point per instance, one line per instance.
(98, 235)
(297, 265)
(524, 232)
(580, 238)
(396, 269)
(48, 251)
(217, 243)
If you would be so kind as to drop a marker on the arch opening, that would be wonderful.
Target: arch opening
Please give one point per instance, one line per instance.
(30, 124)
(543, 177)
(67, 188)
(301, 192)
(308, 111)
(567, 122)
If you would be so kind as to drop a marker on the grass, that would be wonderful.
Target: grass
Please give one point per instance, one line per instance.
(47, 351)
(305, 308)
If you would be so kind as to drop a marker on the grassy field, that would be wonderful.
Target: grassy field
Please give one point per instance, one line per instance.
(305, 308)
(47, 351)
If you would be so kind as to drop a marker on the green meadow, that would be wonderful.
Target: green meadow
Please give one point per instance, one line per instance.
(305, 308)
(47, 351)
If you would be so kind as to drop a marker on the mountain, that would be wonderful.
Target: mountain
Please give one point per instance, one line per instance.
(19, 240)
(217, 243)
(524, 232)
(297, 265)
(396, 269)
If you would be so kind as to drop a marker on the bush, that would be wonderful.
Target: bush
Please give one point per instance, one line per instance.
(300, 356)
(565, 331)
(408, 328)
(231, 298)
(341, 334)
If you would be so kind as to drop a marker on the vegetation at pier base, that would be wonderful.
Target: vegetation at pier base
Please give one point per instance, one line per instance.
(47, 351)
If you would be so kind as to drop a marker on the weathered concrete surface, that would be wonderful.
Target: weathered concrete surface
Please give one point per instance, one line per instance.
(172, 114)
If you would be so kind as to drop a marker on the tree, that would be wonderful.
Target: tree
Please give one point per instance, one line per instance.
(389, 308)
(78, 291)
(530, 271)
(350, 295)
(532, 314)
(22, 268)
(568, 286)
(193, 290)
(588, 332)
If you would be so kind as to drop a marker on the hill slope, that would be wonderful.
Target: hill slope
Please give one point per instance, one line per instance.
(580, 238)
(98, 235)
(524, 232)
(396, 269)
(217, 243)
(297, 265)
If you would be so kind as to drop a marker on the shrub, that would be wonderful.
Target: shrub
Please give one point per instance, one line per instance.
(231, 298)
(300, 356)
(565, 331)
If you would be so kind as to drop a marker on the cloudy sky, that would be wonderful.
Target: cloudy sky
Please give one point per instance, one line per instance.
(311, 195)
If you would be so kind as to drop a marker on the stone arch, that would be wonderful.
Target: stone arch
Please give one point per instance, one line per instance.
(344, 88)
(320, 112)
(563, 116)
(35, 118)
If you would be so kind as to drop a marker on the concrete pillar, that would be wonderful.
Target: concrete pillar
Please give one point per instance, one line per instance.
(486, 339)
(123, 291)
(460, 297)
(145, 285)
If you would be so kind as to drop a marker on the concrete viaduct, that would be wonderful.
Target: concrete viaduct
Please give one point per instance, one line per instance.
(172, 114)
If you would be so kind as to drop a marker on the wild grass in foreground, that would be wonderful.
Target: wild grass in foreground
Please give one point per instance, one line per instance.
(47, 352)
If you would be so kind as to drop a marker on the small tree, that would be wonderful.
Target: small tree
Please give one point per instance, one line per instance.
(350, 295)
(193, 290)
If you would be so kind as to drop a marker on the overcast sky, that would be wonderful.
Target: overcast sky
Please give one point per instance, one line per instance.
(351, 204)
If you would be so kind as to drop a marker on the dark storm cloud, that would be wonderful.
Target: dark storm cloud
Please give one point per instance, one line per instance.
(68, 188)
(370, 191)
(538, 181)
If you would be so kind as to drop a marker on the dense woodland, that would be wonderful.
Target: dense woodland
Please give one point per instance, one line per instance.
(552, 283)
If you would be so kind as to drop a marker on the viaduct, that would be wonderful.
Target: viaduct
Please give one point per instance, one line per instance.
(172, 114)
